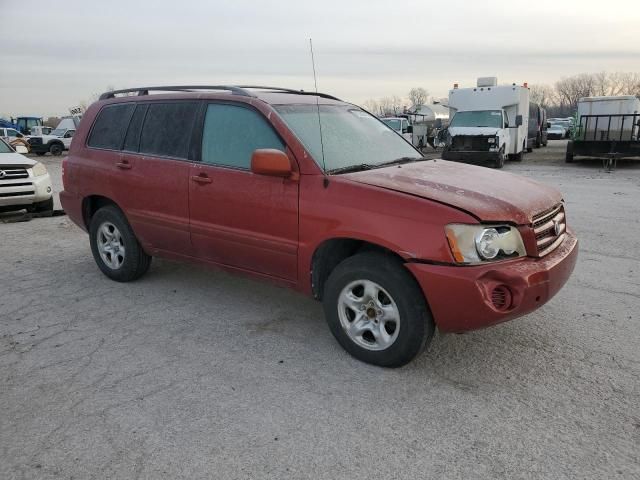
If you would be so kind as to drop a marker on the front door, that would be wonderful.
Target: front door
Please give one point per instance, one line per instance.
(238, 218)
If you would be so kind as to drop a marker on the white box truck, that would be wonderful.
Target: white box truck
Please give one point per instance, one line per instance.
(489, 123)
(607, 127)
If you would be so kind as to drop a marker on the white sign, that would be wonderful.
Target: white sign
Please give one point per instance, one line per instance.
(76, 110)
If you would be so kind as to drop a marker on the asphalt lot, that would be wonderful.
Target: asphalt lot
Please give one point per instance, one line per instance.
(194, 373)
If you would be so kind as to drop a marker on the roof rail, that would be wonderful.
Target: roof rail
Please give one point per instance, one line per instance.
(289, 90)
(234, 89)
(187, 88)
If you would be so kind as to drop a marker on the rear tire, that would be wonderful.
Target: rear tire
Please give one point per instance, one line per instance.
(115, 247)
(517, 157)
(376, 310)
(569, 155)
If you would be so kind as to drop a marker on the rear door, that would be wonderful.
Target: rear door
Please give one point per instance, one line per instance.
(139, 155)
(155, 162)
(238, 218)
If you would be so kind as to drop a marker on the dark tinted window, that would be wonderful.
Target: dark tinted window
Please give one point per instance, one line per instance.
(167, 129)
(231, 134)
(110, 126)
(132, 140)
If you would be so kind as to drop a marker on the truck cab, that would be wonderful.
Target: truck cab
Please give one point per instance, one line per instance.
(400, 125)
(26, 124)
(489, 123)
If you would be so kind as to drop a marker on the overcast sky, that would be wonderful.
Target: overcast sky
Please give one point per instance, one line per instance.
(57, 54)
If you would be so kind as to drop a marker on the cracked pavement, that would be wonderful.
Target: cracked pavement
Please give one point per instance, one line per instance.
(195, 373)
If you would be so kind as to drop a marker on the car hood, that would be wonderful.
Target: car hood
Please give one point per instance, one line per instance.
(46, 138)
(489, 195)
(15, 160)
(486, 131)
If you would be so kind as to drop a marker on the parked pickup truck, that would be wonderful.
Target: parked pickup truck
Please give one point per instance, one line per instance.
(55, 143)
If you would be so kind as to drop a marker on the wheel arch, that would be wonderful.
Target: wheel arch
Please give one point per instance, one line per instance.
(332, 251)
(92, 203)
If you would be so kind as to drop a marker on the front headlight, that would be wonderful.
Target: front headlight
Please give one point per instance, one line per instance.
(481, 243)
(39, 169)
(491, 139)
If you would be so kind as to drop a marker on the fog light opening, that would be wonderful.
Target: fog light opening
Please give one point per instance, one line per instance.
(501, 297)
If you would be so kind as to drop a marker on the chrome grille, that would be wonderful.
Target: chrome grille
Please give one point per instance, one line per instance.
(13, 173)
(549, 227)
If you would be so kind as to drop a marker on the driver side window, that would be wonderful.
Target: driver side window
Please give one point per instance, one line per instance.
(506, 120)
(232, 133)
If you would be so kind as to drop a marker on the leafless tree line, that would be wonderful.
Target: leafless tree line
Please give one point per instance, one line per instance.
(561, 98)
(395, 105)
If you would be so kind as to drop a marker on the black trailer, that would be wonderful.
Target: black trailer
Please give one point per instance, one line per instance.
(607, 136)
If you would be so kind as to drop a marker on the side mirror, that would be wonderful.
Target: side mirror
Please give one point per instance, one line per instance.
(518, 120)
(409, 129)
(271, 162)
(548, 124)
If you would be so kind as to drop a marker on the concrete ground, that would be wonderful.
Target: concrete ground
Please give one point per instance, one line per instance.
(193, 373)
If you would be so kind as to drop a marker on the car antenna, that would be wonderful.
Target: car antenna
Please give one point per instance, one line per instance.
(315, 82)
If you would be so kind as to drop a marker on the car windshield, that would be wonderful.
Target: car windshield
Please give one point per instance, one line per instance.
(4, 148)
(58, 132)
(350, 136)
(392, 122)
(480, 118)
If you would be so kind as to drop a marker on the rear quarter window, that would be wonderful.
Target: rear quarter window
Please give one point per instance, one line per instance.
(167, 129)
(110, 126)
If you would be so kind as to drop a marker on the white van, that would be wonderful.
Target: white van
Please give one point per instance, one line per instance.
(489, 123)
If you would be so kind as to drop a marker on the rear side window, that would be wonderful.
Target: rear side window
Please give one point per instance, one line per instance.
(231, 134)
(110, 126)
(167, 129)
(132, 139)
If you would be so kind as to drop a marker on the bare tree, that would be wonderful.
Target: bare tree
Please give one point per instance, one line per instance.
(543, 95)
(372, 106)
(571, 89)
(386, 106)
(418, 96)
(52, 122)
(396, 105)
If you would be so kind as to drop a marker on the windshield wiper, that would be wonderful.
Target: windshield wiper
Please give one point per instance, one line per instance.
(366, 166)
(400, 160)
(351, 168)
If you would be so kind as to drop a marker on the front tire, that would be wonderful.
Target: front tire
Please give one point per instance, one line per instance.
(502, 157)
(56, 149)
(44, 207)
(376, 310)
(115, 247)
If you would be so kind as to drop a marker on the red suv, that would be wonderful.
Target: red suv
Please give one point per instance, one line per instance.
(316, 194)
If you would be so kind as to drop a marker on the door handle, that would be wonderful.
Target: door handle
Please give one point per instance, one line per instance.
(123, 165)
(201, 179)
